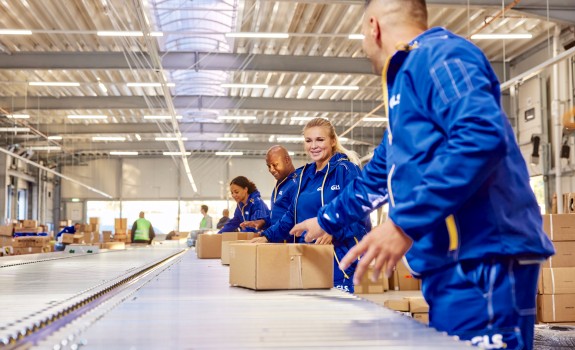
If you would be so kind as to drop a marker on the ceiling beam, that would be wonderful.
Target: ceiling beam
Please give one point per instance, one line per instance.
(188, 103)
(559, 10)
(186, 61)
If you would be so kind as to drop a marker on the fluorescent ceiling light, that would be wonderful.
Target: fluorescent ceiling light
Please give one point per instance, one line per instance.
(108, 138)
(45, 148)
(15, 129)
(289, 139)
(229, 153)
(495, 36)
(257, 35)
(247, 86)
(86, 116)
(355, 36)
(18, 116)
(170, 139)
(176, 153)
(15, 32)
(156, 34)
(102, 87)
(343, 139)
(149, 84)
(75, 200)
(119, 33)
(53, 83)
(123, 153)
(138, 137)
(291, 153)
(305, 119)
(233, 139)
(375, 119)
(237, 117)
(54, 137)
(335, 87)
(161, 117)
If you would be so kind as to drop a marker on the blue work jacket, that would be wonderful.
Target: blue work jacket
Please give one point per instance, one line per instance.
(254, 209)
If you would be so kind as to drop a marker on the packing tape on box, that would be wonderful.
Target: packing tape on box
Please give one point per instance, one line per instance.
(551, 226)
(295, 266)
(553, 292)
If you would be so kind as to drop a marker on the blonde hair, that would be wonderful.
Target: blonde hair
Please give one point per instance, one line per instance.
(337, 148)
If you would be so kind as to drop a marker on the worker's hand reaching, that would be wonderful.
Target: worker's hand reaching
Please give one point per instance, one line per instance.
(261, 239)
(312, 227)
(325, 239)
(385, 244)
(257, 224)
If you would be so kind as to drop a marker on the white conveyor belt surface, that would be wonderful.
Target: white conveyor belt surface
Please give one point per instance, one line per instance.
(187, 303)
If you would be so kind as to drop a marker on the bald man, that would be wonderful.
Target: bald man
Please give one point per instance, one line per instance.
(281, 167)
(142, 230)
(461, 209)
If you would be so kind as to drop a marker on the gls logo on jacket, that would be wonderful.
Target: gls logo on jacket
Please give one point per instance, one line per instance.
(335, 188)
(394, 101)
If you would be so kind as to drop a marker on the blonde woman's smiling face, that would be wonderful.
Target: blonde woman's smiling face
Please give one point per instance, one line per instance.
(318, 144)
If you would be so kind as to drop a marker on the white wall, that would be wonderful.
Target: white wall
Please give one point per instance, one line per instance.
(164, 178)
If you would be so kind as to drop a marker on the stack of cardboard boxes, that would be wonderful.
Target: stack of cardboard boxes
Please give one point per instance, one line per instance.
(121, 233)
(556, 299)
(28, 226)
(91, 232)
(6, 240)
(31, 245)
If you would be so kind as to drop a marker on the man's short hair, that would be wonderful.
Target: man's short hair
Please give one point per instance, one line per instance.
(204, 208)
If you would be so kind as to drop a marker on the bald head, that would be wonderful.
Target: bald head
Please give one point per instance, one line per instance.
(279, 162)
(141, 214)
(388, 24)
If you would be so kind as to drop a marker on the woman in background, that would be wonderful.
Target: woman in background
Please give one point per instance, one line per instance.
(250, 204)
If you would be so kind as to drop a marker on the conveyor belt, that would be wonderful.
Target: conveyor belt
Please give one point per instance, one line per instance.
(189, 304)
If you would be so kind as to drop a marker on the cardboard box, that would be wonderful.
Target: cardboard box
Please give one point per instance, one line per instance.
(6, 230)
(265, 266)
(209, 246)
(28, 230)
(226, 249)
(106, 236)
(31, 250)
(417, 305)
(94, 221)
(114, 245)
(64, 223)
(120, 223)
(78, 238)
(67, 238)
(556, 308)
(564, 255)
(5, 240)
(422, 317)
(29, 223)
(559, 227)
(557, 280)
(238, 236)
(402, 279)
(397, 304)
(368, 287)
(26, 242)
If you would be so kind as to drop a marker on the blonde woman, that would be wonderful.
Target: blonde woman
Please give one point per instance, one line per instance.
(319, 182)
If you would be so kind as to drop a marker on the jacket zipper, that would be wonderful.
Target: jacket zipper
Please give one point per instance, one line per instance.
(389, 190)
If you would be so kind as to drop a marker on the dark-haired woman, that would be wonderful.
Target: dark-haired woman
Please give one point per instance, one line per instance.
(250, 205)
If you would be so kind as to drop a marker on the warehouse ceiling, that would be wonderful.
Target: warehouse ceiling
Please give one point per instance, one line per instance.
(130, 63)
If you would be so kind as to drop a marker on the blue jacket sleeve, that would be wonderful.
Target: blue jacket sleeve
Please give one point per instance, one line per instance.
(279, 232)
(464, 102)
(233, 224)
(361, 196)
(259, 210)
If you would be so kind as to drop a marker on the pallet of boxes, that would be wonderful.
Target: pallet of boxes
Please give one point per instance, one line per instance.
(556, 288)
(6, 240)
(30, 238)
(121, 235)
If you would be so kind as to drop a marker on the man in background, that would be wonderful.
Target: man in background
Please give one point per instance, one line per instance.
(225, 218)
(59, 246)
(206, 222)
(142, 230)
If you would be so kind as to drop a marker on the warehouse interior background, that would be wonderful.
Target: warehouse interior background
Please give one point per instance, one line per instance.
(109, 107)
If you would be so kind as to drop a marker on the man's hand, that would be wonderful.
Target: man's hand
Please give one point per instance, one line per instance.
(314, 231)
(257, 224)
(261, 239)
(325, 239)
(385, 244)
